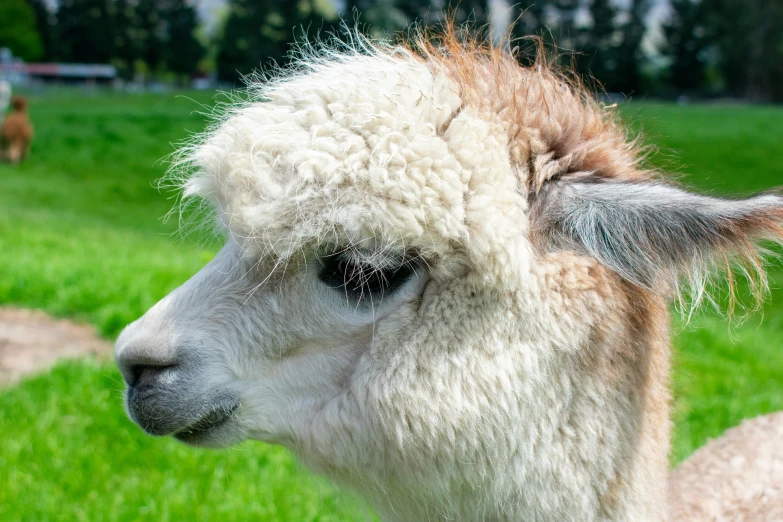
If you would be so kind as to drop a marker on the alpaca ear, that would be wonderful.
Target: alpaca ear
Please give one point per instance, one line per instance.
(648, 231)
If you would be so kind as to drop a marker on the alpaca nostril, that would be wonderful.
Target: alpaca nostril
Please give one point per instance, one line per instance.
(139, 364)
(146, 373)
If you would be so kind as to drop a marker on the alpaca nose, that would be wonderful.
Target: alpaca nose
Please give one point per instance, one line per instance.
(147, 374)
(145, 354)
(138, 367)
(147, 350)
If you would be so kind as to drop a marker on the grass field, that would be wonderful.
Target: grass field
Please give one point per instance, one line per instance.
(81, 236)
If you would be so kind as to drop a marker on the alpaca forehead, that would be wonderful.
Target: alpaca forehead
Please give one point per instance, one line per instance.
(364, 92)
(368, 148)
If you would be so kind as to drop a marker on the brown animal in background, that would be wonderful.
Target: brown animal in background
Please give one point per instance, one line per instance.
(16, 133)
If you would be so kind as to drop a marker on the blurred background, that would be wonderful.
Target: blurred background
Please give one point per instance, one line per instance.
(114, 85)
(651, 48)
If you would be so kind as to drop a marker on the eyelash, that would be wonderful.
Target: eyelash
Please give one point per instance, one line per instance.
(361, 280)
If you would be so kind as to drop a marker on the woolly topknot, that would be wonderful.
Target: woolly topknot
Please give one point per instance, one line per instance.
(444, 139)
(555, 127)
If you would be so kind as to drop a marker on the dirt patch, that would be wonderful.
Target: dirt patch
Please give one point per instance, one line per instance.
(31, 341)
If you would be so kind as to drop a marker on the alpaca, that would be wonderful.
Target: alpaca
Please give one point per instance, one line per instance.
(738, 477)
(16, 132)
(444, 286)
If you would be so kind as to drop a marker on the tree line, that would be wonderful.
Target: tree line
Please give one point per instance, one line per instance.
(705, 47)
(150, 36)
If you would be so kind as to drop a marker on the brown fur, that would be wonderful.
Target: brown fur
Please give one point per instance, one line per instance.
(557, 129)
(738, 477)
(16, 133)
(628, 354)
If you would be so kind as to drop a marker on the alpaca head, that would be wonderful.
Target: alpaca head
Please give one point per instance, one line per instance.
(435, 283)
(19, 103)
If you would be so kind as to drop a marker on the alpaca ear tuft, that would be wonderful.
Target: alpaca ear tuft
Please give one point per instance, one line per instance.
(652, 233)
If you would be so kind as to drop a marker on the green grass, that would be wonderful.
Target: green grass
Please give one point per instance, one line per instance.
(80, 223)
(81, 236)
(69, 453)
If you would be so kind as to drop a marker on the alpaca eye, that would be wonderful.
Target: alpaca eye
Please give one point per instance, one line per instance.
(362, 280)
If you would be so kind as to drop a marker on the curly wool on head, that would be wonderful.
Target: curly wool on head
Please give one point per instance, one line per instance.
(553, 129)
(385, 111)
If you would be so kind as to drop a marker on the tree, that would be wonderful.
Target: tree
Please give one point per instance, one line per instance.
(18, 30)
(567, 35)
(85, 30)
(389, 16)
(687, 36)
(629, 52)
(474, 12)
(528, 18)
(45, 23)
(149, 33)
(243, 45)
(260, 32)
(410, 11)
(748, 41)
(159, 33)
(125, 41)
(598, 56)
(182, 51)
(394, 15)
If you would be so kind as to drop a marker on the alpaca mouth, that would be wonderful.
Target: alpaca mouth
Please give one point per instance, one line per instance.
(211, 421)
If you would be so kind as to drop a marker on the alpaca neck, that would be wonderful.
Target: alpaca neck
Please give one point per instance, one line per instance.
(524, 429)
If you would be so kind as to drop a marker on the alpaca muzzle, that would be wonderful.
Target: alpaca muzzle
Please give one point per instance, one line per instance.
(167, 401)
(165, 394)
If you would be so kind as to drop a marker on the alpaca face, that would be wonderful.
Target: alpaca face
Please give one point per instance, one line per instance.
(360, 203)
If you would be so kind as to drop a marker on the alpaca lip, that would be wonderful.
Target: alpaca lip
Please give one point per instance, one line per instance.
(213, 419)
